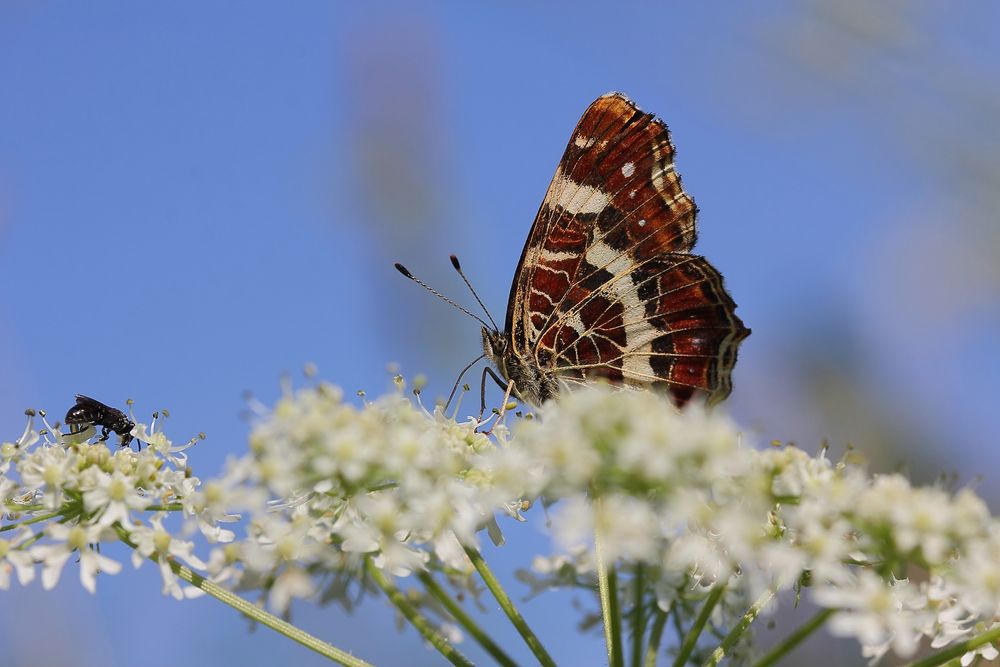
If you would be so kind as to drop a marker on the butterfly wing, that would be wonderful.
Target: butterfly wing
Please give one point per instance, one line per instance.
(606, 287)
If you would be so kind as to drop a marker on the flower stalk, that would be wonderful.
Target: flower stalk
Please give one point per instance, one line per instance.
(500, 595)
(466, 621)
(416, 619)
(607, 584)
(694, 632)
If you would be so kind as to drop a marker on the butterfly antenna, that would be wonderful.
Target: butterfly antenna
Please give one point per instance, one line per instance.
(406, 272)
(458, 267)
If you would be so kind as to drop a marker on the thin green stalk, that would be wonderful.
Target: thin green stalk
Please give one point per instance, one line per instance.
(31, 540)
(958, 650)
(255, 613)
(607, 586)
(416, 619)
(655, 634)
(508, 607)
(794, 639)
(169, 507)
(678, 627)
(691, 638)
(27, 522)
(734, 635)
(638, 614)
(463, 619)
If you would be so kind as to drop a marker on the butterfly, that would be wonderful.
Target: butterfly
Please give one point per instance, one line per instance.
(607, 287)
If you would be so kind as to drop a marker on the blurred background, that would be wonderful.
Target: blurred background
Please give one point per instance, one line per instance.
(196, 200)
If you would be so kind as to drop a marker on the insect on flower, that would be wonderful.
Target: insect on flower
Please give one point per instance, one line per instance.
(91, 411)
(608, 287)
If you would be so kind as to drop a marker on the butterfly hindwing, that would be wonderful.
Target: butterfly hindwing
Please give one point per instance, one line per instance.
(668, 324)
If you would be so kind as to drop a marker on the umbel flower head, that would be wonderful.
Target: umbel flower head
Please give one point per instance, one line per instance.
(333, 492)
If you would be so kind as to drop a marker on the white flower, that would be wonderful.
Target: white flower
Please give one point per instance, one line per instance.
(876, 613)
(291, 582)
(72, 538)
(628, 527)
(158, 443)
(156, 543)
(111, 496)
(13, 558)
(52, 469)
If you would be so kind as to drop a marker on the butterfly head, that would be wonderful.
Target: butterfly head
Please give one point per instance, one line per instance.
(495, 347)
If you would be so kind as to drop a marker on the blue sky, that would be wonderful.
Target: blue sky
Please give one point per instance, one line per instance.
(195, 200)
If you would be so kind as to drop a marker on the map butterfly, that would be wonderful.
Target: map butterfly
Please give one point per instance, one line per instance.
(607, 287)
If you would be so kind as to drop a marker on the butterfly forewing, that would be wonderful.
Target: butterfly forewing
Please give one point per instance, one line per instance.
(605, 287)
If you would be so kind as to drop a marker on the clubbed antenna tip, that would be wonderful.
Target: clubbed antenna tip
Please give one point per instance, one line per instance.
(402, 269)
(458, 267)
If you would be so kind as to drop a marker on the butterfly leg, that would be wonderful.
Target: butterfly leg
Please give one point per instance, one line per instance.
(105, 434)
(482, 388)
(459, 379)
(503, 407)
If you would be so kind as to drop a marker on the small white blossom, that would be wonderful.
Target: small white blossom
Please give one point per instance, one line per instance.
(156, 543)
(876, 614)
(111, 497)
(71, 539)
(50, 470)
(14, 558)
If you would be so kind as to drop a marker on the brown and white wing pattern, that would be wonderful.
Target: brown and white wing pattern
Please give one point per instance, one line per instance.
(606, 287)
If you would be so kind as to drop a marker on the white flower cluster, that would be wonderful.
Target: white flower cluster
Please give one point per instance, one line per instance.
(677, 491)
(330, 488)
(387, 481)
(90, 495)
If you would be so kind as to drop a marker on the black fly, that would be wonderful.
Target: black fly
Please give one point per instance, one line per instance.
(91, 411)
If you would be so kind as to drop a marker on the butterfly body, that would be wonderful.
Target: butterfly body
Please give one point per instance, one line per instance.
(532, 382)
(607, 287)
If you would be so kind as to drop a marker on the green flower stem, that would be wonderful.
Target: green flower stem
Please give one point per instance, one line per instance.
(27, 522)
(655, 634)
(691, 638)
(416, 619)
(638, 614)
(466, 621)
(255, 613)
(170, 507)
(31, 540)
(508, 607)
(958, 650)
(794, 639)
(607, 586)
(734, 635)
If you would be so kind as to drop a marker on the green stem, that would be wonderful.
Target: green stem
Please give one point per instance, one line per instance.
(607, 586)
(170, 507)
(638, 614)
(691, 638)
(466, 621)
(655, 634)
(31, 540)
(508, 607)
(255, 613)
(734, 635)
(27, 522)
(416, 619)
(794, 639)
(958, 650)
